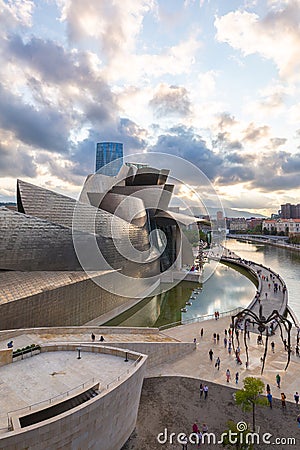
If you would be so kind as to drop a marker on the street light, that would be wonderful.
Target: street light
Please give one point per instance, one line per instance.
(79, 350)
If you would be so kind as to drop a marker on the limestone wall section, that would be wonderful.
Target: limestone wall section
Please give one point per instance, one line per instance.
(158, 352)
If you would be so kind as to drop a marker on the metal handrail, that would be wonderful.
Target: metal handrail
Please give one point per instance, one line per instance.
(200, 318)
(50, 400)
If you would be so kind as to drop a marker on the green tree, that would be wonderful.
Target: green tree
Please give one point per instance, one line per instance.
(250, 396)
(258, 228)
(241, 444)
(294, 240)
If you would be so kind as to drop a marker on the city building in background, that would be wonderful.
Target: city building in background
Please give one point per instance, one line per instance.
(109, 152)
(289, 211)
(282, 227)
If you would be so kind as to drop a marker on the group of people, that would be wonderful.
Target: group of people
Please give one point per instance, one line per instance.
(282, 395)
(93, 337)
(199, 432)
(203, 390)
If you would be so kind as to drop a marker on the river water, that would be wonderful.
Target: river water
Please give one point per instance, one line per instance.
(226, 289)
(283, 261)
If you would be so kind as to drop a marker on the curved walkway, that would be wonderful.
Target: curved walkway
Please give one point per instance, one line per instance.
(271, 293)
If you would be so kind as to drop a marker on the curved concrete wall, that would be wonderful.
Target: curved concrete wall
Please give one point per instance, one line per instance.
(103, 423)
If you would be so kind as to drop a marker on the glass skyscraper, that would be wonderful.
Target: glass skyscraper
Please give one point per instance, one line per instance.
(106, 153)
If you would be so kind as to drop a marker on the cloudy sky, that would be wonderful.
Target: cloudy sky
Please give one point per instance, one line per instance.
(216, 82)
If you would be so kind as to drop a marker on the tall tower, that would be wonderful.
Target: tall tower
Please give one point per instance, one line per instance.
(106, 153)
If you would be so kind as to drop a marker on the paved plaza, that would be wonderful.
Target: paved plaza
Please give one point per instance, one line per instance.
(198, 364)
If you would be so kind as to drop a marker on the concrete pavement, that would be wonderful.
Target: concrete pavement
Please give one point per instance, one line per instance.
(198, 364)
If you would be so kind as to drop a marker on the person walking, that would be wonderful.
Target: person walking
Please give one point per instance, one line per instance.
(227, 375)
(229, 347)
(296, 398)
(201, 390)
(278, 380)
(270, 399)
(199, 438)
(225, 342)
(211, 353)
(273, 346)
(205, 389)
(215, 337)
(268, 389)
(236, 378)
(298, 420)
(93, 337)
(218, 338)
(201, 332)
(218, 362)
(283, 404)
(195, 428)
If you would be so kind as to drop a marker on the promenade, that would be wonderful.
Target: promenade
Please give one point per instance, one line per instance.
(271, 290)
(198, 365)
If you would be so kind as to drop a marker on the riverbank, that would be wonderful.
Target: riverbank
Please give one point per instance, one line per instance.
(280, 260)
(264, 240)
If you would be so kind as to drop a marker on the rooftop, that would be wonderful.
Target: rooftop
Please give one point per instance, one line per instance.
(52, 374)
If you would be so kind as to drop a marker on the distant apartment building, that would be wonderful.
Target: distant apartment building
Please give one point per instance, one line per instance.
(288, 227)
(289, 211)
(236, 224)
(253, 222)
(109, 152)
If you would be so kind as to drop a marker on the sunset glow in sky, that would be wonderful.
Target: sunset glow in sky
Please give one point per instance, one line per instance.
(216, 82)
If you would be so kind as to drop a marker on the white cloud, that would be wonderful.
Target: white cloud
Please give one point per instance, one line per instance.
(207, 83)
(139, 68)
(113, 24)
(16, 12)
(275, 37)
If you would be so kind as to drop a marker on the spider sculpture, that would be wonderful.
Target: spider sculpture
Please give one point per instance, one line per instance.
(264, 325)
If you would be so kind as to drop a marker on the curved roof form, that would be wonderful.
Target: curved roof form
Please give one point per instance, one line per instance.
(182, 219)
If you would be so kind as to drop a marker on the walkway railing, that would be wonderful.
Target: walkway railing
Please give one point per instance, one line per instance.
(50, 400)
(231, 312)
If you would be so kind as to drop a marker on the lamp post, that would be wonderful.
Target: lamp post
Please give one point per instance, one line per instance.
(79, 350)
